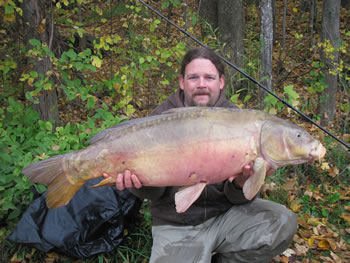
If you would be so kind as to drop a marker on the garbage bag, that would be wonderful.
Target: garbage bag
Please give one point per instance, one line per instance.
(93, 222)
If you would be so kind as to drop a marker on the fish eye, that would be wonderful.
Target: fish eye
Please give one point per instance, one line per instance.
(299, 135)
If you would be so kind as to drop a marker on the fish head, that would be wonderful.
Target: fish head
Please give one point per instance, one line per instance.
(283, 143)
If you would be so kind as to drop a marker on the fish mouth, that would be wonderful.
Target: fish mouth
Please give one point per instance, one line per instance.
(317, 153)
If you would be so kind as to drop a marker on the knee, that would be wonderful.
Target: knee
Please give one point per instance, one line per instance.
(289, 223)
(286, 226)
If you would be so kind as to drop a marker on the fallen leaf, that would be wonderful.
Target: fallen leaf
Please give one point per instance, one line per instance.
(290, 184)
(303, 223)
(345, 216)
(336, 258)
(284, 259)
(301, 250)
(314, 221)
(288, 252)
(325, 166)
(55, 147)
(295, 206)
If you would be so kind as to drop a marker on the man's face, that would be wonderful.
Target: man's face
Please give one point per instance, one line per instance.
(201, 83)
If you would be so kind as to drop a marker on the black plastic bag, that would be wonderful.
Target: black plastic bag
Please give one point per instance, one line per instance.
(92, 223)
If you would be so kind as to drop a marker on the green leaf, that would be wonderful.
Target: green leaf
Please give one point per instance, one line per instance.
(333, 198)
(91, 123)
(9, 10)
(91, 102)
(165, 5)
(48, 126)
(70, 53)
(35, 42)
(78, 65)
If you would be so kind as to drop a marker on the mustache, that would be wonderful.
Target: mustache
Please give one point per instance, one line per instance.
(200, 92)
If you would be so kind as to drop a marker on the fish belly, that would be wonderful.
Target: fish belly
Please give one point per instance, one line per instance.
(207, 161)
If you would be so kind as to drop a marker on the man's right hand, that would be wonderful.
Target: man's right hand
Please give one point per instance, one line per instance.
(126, 180)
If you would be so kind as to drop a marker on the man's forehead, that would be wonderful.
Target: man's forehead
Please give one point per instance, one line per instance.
(201, 66)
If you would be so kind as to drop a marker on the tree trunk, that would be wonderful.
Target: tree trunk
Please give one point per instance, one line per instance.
(330, 32)
(266, 33)
(208, 12)
(38, 24)
(231, 21)
(228, 16)
(345, 3)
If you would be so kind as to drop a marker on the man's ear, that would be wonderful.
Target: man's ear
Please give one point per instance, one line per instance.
(222, 81)
(181, 81)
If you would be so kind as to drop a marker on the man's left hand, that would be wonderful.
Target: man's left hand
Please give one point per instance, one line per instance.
(246, 173)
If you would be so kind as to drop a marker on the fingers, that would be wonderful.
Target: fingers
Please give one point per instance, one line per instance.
(247, 170)
(136, 181)
(120, 182)
(127, 180)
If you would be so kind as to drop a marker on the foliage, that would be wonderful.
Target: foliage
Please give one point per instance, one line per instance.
(115, 61)
(26, 139)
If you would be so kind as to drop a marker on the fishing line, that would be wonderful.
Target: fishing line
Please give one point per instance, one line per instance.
(246, 75)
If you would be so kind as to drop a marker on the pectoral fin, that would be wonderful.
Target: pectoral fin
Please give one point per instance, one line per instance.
(187, 196)
(252, 186)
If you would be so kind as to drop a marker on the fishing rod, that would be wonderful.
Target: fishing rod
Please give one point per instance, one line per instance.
(246, 75)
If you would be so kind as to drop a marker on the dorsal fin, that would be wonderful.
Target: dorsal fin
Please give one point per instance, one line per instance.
(182, 110)
(122, 126)
(103, 134)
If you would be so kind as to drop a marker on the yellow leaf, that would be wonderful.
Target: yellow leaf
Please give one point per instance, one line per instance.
(327, 244)
(295, 206)
(96, 61)
(125, 24)
(9, 17)
(310, 241)
(325, 166)
(345, 217)
(295, 10)
(314, 221)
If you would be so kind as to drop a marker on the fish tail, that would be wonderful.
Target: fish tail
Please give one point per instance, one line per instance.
(51, 172)
(61, 191)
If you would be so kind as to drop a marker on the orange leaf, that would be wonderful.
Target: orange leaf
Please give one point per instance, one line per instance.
(346, 217)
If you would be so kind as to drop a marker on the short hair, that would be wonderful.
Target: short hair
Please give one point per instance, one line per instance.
(201, 52)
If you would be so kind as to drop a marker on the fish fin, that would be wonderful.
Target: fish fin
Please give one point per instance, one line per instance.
(252, 186)
(61, 191)
(105, 182)
(45, 171)
(102, 135)
(187, 196)
(181, 110)
(50, 172)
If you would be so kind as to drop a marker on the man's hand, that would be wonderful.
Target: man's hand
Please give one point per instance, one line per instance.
(246, 173)
(126, 180)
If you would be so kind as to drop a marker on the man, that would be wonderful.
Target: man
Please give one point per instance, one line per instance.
(222, 225)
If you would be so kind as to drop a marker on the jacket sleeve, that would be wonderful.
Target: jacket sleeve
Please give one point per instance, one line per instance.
(234, 194)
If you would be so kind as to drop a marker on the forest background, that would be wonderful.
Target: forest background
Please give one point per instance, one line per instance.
(71, 68)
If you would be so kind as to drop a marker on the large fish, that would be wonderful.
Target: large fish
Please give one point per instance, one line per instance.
(183, 147)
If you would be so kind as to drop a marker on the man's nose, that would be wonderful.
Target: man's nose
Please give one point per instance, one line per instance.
(202, 82)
